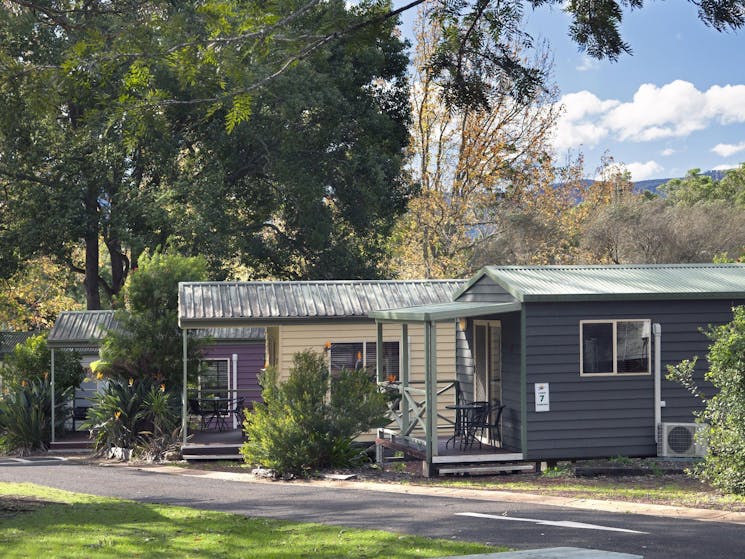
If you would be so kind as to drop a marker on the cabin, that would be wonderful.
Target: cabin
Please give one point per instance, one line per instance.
(575, 357)
(231, 360)
(329, 317)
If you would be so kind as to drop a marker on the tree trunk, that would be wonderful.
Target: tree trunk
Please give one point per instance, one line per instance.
(92, 295)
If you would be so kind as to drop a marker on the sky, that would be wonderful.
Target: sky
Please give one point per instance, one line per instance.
(676, 103)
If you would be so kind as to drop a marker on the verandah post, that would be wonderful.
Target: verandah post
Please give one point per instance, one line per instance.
(405, 408)
(430, 372)
(184, 422)
(54, 403)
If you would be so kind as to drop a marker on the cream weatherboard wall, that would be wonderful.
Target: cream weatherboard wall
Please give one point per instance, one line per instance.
(289, 339)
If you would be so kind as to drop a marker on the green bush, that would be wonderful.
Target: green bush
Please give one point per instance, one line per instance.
(724, 413)
(310, 420)
(26, 416)
(31, 361)
(148, 342)
(138, 415)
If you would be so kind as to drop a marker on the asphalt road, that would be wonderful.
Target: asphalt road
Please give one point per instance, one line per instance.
(516, 525)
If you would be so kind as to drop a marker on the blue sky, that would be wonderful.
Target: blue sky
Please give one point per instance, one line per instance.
(678, 102)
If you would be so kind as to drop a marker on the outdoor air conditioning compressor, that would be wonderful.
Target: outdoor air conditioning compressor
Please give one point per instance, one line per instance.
(679, 440)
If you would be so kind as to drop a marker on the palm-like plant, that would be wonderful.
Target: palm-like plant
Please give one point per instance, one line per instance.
(26, 418)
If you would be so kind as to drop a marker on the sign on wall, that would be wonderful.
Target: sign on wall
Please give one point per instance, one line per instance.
(541, 396)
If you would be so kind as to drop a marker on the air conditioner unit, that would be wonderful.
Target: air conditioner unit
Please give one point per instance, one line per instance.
(679, 440)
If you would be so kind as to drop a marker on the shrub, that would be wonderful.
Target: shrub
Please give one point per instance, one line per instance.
(26, 416)
(311, 420)
(724, 413)
(31, 361)
(138, 415)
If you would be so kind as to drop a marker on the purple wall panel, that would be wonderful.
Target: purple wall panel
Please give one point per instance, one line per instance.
(250, 362)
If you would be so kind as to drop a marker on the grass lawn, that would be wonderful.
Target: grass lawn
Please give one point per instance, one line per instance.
(679, 491)
(37, 521)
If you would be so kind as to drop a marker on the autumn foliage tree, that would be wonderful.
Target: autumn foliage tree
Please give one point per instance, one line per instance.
(465, 159)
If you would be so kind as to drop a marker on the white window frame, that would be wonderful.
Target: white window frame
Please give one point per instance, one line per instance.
(230, 371)
(615, 372)
(364, 343)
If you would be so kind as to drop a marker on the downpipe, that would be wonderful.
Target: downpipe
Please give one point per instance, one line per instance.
(658, 402)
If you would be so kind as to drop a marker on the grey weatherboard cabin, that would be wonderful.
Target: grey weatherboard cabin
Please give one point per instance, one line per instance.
(577, 355)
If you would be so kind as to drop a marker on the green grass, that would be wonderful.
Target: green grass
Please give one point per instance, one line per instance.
(76, 525)
(688, 494)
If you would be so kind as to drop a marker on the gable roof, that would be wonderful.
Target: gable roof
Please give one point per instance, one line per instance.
(214, 304)
(586, 283)
(81, 328)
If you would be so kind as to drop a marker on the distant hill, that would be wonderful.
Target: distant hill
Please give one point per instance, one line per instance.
(652, 184)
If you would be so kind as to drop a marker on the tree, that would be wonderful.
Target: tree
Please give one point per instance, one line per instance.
(466, 160)
(33, 297)
(80, 162)
(311, 180)
(133, 123)
(30, 362)
(147, 342)
(696, 188)
(724, 414)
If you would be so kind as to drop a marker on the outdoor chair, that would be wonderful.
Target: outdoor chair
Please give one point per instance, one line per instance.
(495, 427)
(196, 409)
(237, 411)
(478, 423)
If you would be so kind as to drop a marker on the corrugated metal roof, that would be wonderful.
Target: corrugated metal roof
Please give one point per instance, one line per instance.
(670, 281)
(231, 334)
(444, 311)
(9, 340)
(216, 303)
(81, 328)
(84, 330)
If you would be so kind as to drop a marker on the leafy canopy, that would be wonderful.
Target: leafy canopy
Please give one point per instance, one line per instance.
(147, 342)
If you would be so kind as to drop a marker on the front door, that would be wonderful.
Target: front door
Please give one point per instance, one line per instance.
(487, 385)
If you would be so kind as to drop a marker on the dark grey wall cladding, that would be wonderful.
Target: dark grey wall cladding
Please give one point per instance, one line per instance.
(511, 423)
(485, 290)
(607, 416)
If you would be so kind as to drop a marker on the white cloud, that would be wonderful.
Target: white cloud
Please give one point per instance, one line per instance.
(642, 171)
(667, 152)
(725, 150)
(725, 167)
(588, 63)
(581, 120)
(673, 110)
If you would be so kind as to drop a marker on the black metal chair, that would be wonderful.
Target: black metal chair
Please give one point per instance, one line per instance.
(237, 411)
(196, 409)
(477, 423)
(496, 427)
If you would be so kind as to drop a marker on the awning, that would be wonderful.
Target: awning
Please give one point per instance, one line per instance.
(443, 311)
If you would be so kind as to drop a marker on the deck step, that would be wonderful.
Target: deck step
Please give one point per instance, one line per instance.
(485, 470)
(211, 452)
(188, 457)
(70, 447)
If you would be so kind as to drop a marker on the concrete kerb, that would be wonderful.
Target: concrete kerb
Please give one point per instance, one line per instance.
(703, 515)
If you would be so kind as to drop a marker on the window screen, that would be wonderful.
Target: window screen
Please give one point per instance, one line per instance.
(213, 379)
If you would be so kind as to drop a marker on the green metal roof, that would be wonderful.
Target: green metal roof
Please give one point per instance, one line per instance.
(586, 283)
(443, 311)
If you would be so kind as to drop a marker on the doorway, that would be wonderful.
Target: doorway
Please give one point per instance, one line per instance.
(487, 381)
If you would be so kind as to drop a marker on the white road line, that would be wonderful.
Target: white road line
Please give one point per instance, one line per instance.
(561, 524)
